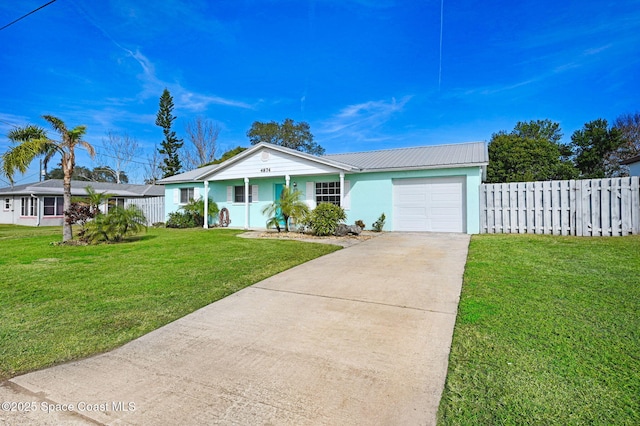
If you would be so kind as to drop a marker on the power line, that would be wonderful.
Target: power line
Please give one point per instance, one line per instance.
(24, 16)
(440, 61)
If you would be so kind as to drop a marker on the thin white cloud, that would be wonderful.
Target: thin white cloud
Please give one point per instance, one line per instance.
(152, 85)
(359, 121)
(198, 102)
(168, 15)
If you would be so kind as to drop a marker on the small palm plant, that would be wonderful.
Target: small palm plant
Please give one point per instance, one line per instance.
(288, 206)
(116, 225)
(93, 199)
(195, 208)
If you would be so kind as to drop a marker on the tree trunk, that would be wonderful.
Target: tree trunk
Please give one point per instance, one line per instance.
(67, 232)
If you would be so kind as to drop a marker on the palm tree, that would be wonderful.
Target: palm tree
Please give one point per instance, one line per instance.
(32, 141)
(95, 199)
(289, 206)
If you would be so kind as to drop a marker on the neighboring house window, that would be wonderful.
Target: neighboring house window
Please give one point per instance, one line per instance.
(117, 201)
(7, 204)
(186, 195)
(328, 192)
(28, 207)
(53, 206)
(238, 194)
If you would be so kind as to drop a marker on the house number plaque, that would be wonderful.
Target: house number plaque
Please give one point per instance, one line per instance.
(265, 170)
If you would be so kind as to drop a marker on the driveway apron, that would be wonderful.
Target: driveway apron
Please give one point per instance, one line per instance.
(360, 336)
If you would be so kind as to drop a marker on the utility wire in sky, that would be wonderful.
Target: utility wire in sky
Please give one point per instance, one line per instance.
(440, 62)
(24, 16)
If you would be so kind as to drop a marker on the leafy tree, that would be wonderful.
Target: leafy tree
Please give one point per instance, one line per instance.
(592, 145)
(531, 152)
(107, 174)
(288, 134)
(288, 206)
(99, 174)
(171, 144)
(203, 136)
(228, 154)
(231, 153)
(32, 141)
(629, 127)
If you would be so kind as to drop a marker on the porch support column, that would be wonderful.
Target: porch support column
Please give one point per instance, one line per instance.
(342, 189)
(246, 203)
(206, 205)
(287, 179)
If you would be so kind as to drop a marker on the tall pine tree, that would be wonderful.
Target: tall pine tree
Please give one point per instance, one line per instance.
(171, 164)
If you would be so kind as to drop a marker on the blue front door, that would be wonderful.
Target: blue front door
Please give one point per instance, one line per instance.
(278, 193)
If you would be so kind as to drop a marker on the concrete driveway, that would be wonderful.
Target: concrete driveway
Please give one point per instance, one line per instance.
(360, 336)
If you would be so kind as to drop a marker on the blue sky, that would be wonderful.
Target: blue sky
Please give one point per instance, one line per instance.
(364, 74)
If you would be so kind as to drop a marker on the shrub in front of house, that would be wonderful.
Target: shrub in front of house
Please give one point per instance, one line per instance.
(116, 225)
(192, 214)
(181, 220)
(324, 219)
(79, 214)
(379, 224)
(360, 223)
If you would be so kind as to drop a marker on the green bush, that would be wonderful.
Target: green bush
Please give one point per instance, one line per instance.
(379, 224)
(324, 219)
(192, 214)
(196, 209)
(117, 224)
(181, 220)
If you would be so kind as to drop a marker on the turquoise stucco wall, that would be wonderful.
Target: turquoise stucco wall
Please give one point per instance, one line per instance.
(370, 195)
(169, 205)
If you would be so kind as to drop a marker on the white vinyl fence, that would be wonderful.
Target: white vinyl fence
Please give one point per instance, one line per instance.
(594, 207)
(153, 208)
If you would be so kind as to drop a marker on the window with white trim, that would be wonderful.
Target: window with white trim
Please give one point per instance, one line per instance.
(7, 204)
(53, 206)
(28, 206)
(328, 192)
(186, 195)
(115, 201)
(238, 193)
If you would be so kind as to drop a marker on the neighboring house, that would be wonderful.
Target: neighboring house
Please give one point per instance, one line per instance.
(41, 203)
(634, 165)
(432, 188)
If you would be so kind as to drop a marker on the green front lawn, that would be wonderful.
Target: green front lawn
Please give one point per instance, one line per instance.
(59, 303)
(548, 332)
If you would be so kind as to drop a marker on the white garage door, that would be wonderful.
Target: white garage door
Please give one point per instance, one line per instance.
(429, 204)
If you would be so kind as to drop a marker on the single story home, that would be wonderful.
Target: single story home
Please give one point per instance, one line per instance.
(430, 188)
(634, 165)
(41, 203)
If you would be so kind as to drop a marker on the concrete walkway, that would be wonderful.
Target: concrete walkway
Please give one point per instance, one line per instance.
(360, 336)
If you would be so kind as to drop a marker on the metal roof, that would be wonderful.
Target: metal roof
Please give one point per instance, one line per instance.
(631, 160)
(54, 187)
(462, 154)
(191, 175)
(454, 155)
